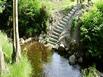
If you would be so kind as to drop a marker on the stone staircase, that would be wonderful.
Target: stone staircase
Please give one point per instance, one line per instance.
(63, 25)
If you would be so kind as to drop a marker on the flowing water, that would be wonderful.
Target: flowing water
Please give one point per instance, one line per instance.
(46, 64)
(59, 67)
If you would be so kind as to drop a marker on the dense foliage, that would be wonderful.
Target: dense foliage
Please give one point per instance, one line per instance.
(90, 72)
(92, 30)
(32, 17)
(6, 17)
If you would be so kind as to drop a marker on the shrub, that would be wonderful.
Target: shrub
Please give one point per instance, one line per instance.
(32, 17)
(90, 72)
(92, 31)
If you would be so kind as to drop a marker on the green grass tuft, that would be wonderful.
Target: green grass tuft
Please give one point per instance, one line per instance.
(21, 69)
(6, 45)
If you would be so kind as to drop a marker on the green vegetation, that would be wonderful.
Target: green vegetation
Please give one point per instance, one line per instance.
(17, 69)
(91, 27)
(52, 6)
(33, 16)
(33, 19)
(92, 31)
(1, 7)
(90, 72)
(21, 69)
(91, 38)
(6, 45)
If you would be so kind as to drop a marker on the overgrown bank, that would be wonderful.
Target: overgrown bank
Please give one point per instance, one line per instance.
(7, 69)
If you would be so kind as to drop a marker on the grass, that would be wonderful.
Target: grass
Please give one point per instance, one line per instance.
(21, 69)
(6, 45)
(52, 6)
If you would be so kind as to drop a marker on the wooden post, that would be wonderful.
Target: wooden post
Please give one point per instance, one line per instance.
(16, 45)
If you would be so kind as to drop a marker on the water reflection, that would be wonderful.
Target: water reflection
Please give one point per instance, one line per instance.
(59, 67)
(46, 64)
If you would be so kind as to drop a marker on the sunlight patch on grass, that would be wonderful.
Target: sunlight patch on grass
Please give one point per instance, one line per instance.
(51, 6)
(6, 45)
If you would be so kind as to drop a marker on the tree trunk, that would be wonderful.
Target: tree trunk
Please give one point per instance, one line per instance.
(2, 62)
(16, 46)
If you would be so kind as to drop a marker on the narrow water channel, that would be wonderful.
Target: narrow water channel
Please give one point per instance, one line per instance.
(59, 67)
(46, 64)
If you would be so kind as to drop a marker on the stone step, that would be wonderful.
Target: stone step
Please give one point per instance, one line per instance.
(71, 12)
(52, 43)
(75, 7)
(62, 22)
(55, 33)
(65, 20)
(67, 17)
(53, 40)
(54, 36)
(58, 31)
(59, 27)
(77, 14)
(78, 7)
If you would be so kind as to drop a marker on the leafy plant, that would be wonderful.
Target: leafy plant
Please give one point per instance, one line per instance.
(90, 72)
(2, 5)
(92, 31)
(32, 17)
(32, 14)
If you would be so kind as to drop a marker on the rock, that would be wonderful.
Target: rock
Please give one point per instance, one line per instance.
(80, 60)
(72, 59)
(22, 41)
(62, 45)
(100, 74)
(61, 49)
